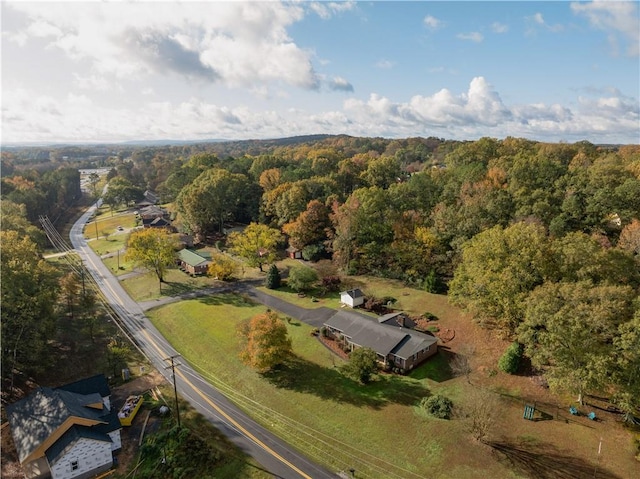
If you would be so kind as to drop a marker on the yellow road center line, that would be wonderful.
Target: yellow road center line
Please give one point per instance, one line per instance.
(227, 417)
(211, 403)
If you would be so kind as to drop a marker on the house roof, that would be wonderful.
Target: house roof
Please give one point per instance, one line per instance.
(156, 222)
(153, 210)
(382, 338)
(354, 293)
(192, 258)
(397, 318)
(94, 384)
(51, 412)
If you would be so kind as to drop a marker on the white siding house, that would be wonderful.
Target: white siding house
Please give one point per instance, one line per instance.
(69, 432)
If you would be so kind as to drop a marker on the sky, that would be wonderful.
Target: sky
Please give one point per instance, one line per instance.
(116, 71)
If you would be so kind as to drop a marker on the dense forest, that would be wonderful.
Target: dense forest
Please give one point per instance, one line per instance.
(540, 241)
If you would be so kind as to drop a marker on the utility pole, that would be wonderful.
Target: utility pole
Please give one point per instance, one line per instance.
(175, 389)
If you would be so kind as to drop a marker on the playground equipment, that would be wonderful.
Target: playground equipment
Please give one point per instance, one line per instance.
(592, 416)
(573, 411)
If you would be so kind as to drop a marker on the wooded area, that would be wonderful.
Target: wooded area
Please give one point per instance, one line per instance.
(540, 241)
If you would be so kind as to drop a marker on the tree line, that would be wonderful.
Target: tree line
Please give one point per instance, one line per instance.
(541, 241)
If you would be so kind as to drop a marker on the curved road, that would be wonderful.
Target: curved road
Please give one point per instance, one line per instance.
(272, 453)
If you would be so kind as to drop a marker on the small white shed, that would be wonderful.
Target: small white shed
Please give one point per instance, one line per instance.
(352, 298)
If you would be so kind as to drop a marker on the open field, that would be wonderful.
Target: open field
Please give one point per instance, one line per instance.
(342, 424)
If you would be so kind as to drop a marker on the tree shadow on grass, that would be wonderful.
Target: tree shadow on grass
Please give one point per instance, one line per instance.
(171, 288)
(437, 367)
(229, 298)
(306, 377)
(543, 461)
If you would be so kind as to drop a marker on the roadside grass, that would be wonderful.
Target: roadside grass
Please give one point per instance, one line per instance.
(145, 286)
(107, 224)
(226, 461)
(334, 419)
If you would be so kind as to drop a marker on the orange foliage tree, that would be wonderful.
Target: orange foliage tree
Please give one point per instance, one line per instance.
(266, 342)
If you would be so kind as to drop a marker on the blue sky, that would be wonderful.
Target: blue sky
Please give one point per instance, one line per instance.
(119, 71)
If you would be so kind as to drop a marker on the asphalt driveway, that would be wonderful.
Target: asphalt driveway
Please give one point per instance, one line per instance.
(315, 317)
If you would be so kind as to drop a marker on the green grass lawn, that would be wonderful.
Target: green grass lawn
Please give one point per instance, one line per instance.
(308, 402)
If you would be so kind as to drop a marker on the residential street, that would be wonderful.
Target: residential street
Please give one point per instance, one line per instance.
(272, 453)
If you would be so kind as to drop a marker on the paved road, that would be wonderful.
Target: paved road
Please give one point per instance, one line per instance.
(273, 454)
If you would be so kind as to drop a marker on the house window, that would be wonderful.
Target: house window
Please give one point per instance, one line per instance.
(74, 465)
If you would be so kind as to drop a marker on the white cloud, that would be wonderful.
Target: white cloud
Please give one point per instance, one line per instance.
(497, 27)
(620, 19)
(476, 37)
(235, 43)
(326, 10)
(432, 22)
(340, 84)
(600, 117)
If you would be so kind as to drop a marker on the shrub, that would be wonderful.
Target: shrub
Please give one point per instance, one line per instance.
(509, 362)
(429, 316)
(273, 279)
(302, 278)
(437, 406)
(363, 363)
(430, 283)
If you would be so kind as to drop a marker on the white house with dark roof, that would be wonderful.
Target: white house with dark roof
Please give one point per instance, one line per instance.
(68, 432)
(396, 346)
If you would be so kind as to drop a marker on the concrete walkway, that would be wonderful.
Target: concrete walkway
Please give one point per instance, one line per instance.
(315, 317)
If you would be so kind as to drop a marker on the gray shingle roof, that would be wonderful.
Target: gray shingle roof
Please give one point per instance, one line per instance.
(382, 338)
(36, 417)
(354, 293)
(94, 384)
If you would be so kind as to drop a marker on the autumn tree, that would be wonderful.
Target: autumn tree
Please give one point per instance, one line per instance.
(382, 172)
(153, 249)
(69, 286)
(626, 370)
(29, 291)
(214, 197)
(630, 238)
(14, 218)
(568, 330)
(266, 342)
(257, 244)
(499, 268)
(222, 267)
(363, 230)
(310, 227)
